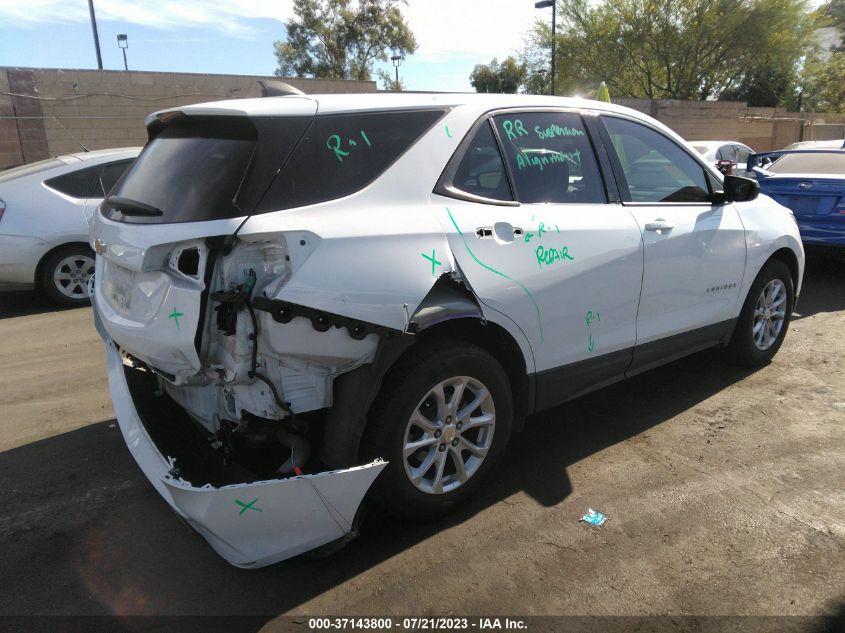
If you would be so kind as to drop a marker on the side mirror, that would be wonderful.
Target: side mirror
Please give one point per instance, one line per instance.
(736, 189)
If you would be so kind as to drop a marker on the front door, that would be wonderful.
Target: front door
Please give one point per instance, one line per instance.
(694, 251)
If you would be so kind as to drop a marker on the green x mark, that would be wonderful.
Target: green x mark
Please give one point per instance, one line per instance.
(248, 506)
(176, 316)
(434, 261)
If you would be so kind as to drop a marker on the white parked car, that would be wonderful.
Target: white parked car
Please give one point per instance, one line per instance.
(834, 144)
(45, 209)
(724, 154)
(304, 296)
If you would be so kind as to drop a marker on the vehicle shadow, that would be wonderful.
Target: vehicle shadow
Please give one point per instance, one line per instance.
(17, 303)
(79, 523)
(824, 283)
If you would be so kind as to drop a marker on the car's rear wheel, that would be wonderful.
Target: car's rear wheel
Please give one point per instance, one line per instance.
(765, 315)
(65, 275)
(442, 421)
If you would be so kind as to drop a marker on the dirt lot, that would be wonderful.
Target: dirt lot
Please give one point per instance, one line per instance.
(724, 490)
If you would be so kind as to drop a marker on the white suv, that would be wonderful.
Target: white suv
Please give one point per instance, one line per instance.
(304, 296)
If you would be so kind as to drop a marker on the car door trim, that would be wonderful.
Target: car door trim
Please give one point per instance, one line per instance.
(553, 387)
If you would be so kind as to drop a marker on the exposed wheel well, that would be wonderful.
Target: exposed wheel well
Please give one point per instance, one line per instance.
(498, 343)
(47, 255)
(788, 257)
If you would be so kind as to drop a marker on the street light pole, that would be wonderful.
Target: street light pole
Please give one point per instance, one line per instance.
(397, 60)
(123, 44)
(553, 4)
(96, 37)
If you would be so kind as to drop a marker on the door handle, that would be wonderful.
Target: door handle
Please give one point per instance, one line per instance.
(659, 225)
(503, 230)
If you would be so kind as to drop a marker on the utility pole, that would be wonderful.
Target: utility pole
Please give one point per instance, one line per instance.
(96, 37)
(553, 4)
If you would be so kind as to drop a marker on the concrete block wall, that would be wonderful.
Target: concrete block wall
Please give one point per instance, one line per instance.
(762, 129)
(49, 112)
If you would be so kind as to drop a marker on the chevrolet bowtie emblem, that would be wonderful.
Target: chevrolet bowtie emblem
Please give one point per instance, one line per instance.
(99, 246)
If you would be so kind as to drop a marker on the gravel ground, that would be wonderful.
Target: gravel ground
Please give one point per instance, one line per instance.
(724, 490)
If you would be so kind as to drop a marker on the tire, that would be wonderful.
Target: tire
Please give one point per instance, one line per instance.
(64, 275)
(478, 438)
(753, 343)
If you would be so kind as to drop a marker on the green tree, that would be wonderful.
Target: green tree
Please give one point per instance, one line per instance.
(763, 87)
(389, 82)
(829, 84)
(496, 77)
(342, 39)
(681, 49)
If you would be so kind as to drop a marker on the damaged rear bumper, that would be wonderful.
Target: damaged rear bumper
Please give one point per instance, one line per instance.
(252, 524)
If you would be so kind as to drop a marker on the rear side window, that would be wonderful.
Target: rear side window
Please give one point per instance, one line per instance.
(341, 154)
(110, 175)
(656, 169)
(81, 183)
(481, 171)
(190, 171)
(550, 158)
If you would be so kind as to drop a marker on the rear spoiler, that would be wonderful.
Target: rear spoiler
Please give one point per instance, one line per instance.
(757, 160)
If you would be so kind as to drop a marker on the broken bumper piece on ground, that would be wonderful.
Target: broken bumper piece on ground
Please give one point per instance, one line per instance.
(252, 524)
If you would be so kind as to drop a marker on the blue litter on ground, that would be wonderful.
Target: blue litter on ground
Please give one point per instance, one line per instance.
(594, 518)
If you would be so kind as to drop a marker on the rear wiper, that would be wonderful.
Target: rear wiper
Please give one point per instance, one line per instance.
(132, 207)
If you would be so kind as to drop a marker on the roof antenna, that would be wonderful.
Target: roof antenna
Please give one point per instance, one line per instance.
(271, 88)
(70, 135)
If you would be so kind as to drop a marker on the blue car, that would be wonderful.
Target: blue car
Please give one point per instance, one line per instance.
(811, 183)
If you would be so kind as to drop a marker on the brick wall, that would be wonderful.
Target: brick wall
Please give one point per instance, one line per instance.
(49, 112)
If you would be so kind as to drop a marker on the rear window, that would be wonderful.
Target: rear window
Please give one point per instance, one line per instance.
(810, 163)
(341, 154)
(28, 170)
(190, 171)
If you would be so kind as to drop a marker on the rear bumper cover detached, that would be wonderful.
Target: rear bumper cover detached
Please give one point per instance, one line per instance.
(251, 524)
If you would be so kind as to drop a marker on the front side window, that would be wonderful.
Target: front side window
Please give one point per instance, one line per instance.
(481, 171)
(550, 157)
(655, 167)
(727, 152)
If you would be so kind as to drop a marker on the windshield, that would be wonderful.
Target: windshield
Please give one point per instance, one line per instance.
(810, 163)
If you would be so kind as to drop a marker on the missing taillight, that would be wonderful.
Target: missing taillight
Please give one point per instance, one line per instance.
(189, 262)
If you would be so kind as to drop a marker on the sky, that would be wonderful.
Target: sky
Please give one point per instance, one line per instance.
(236, 36)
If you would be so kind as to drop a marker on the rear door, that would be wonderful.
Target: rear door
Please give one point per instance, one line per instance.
(694, 251)
(541, 241)
(198, 177)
